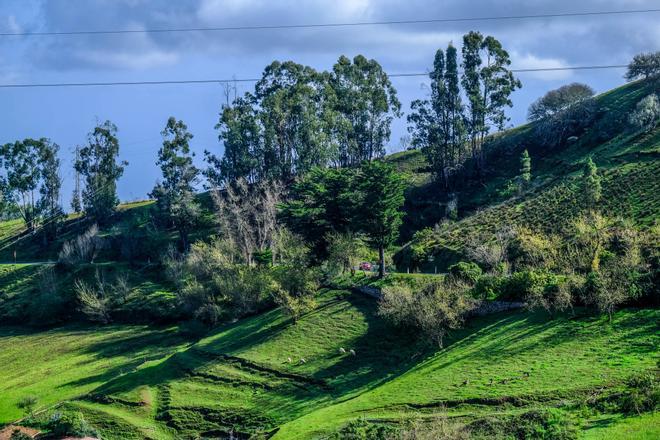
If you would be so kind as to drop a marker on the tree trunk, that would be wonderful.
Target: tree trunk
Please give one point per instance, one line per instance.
(381, 261)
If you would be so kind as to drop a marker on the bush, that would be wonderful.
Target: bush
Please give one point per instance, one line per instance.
(647, 113)
(27, 404)
(431, 310)
(82, 249)
(71, 424)
(550, 424)
(556, 296)
(440, 428)
(528, 283)
(212, 286)
(643, 394)
(527, 250)
(297, 287)
(20, 435)
(554, 130)
(465, 272)
(362, 429)
(488, 287)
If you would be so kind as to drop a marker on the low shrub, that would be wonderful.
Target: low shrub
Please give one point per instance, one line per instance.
(71, 424)
(431, 310)
(466, 272)
(642, 394)
(82, 249)
(549, 424)
(526, 284)
(488, 287)
(20, 435)
(362, 429)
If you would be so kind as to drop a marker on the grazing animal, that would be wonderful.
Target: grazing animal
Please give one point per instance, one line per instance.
(303, 361)
(341, 350)
(526, 373)
(466, 382)
(352, 352)
(289, 360)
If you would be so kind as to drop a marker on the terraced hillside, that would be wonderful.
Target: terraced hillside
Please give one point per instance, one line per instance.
(140, 383)
(628, 162)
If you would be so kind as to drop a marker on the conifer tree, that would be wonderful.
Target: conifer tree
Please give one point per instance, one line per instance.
(174, 196)
(525, 169)
(591, 187)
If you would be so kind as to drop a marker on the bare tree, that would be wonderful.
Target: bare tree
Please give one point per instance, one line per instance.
(247, 214)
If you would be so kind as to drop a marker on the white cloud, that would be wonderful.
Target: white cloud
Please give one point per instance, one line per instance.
(12, 25)
(531, 61)
(130, 60)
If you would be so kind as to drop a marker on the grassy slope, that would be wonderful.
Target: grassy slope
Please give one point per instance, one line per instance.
(628, 162)
(240, 376)
(70, 361)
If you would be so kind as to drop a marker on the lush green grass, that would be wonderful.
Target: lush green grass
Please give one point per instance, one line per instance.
(627, 160)
(144, 384)
(65, 363)
(644, 427)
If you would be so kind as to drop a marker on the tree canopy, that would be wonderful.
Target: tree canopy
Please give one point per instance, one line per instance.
(98, 165)
(558, 100)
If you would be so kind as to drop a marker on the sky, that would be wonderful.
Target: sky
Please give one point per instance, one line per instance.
(66, 115)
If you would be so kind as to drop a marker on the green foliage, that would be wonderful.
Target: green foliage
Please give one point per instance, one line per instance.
(558, 100)
(298, 119)
(322, 202)
(27, 404)
(212, 286)
(644, 65)
(175, 201)
(642, 393)
(467, 272)
(547, 424)
(528, 283)
(488, 87)
(591, 185)
(19, 435)
(438, 123)
(431, 310)
(362, 429)
(380, 190)
(363, 105)
(97, 164)
(525, 169)
(647, 113)
(71, 424)
(527, 249)
(345, 251)
(30, 165)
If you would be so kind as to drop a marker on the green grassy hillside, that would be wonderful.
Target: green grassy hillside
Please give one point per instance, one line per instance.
(137, 383)
(627, 161)
(267, 376)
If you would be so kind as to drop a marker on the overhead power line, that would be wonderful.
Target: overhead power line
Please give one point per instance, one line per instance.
(325, 25)
(242, 80)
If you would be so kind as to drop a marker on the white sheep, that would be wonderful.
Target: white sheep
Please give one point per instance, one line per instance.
(289, 360)
(351, 351)
(303, 361)
(341, 350)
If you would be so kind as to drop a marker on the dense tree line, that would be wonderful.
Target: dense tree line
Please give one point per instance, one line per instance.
(449, 131)
(298, 118)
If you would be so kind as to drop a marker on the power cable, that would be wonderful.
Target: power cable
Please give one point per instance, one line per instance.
(325, 25)
(221, 81)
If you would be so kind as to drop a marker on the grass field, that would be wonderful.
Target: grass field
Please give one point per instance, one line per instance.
(141, 383)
